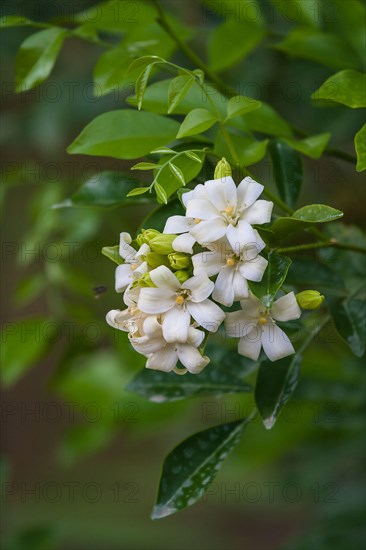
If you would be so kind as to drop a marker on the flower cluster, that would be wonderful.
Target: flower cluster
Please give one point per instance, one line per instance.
(177, 283)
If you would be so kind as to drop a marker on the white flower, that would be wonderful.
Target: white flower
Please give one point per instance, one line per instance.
(163, 355)
(233, 267)
(256, 327)
(134, 265)
(178, 302)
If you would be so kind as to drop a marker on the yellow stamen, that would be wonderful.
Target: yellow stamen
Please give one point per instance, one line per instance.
(230, 262)
(262, 320)
(197, 220)
(180, 300)
(134, 266)
(229, 210)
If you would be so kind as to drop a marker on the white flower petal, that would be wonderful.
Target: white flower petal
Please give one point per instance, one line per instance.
(195, 337)
(199, 192)
(248, 191)
(117, 318)
(207, 314)
(259, 241)
(209, 231)
(123, 277)
(241, 235)
(237, 324)
(178, 224)
(131, 295)
(142, 251)
(252, 306)
(125, 250)
(254, 270)
(164, 360)
(286, 308)
(176, 324)
(184, 243)
(221, 192)
(202, 209)
(260, 212)
(240, 287)
(208, 262)
(152, 327)
(191, 358)
(224, 287)
(275, 342)
(200, 286)
(162, 277)
(146, 345)
(155, 300)
(250, 345)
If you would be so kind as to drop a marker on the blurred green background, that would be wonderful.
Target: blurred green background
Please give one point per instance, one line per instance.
(90, 451)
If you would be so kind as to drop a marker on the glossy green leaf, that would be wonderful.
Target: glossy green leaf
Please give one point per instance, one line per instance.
(177, 173)
(190, 468)
(112, 253)
(240, 105)
(267, 121)
(144, 166)
(160, 193)
(141, 83)
(347, 87)
(15, 21)
(273, 278)
(178, 89)
(160, 387)
(248, 149)
(349, 317)
(138, 191)
(193, 156)
(196, 122)
(124, 134)
(360, 146)
(287, 171)
(110, 71)
(275, 385)
(37, 56)
(188, 169)
(323, 47)
(304, 217)
(157, 218)
(231, 42)
(24, 343)
(312, 146)
(104, 190)
(141, 63)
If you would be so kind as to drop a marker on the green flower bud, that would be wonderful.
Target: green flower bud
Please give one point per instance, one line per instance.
(155, 260)
(310, 299)
(223, 169)
(146, 235)
(162, 244)
(179, 260)
(144, 281)
(182, 276)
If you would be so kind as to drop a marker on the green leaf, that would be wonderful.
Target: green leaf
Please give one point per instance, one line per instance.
(141, 84)
(138, 191)
(112, 253)
(104, 190)
(231, 42)
(157, 218)
(323, 47)
(163, 151)
(196, 122)
(142, 63)
(110, 71)
(161, 387)
(301, 11)
(275, 385)
(124, 134)
(273, 278)
(160, 193)
(347, 87)
(304, 217)
(24, 344)
(268, 121)
(248, 149)
(193, 156)
(144, 166)
(287, 170)
(312, 146)
(36, 57)
(189, 171)
(349, 317)
(307, 273)
(360, 146)
(190, 468)
(177, 173)
(15, 21)
(240, 105)
(178, 89)
(350, 22)
(115, 16)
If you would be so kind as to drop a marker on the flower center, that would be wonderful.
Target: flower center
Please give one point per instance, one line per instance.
(262, 320)
(180, 300)
(230, 261)
(134, 266)
(182, 296)
(197, 220)
(229, 210)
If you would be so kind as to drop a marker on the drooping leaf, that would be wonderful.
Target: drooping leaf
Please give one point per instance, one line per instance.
(124, 134)
(112, 253)
(160, 193)
(141, 83)
(347, 87)
(304, 217)
(349, 317)
(196, 122)
(37, 56)
(312, 146)
(273, 278)
(231, 42)
(178, 89)
(275, 385)
(360, 146)
(287, 170)
(240, 105)
(191, 466)
(104, 190)
(177, 173)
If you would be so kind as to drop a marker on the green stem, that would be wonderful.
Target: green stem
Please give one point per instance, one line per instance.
(314, 246)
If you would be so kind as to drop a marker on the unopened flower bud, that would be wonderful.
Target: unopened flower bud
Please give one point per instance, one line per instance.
(146, 235)
(162, 244)
(223, 169)
(179, 260)
(310, 299)
(155, 260)
(182, 276)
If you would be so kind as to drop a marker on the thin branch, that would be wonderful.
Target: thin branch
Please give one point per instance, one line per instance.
(329, 244)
